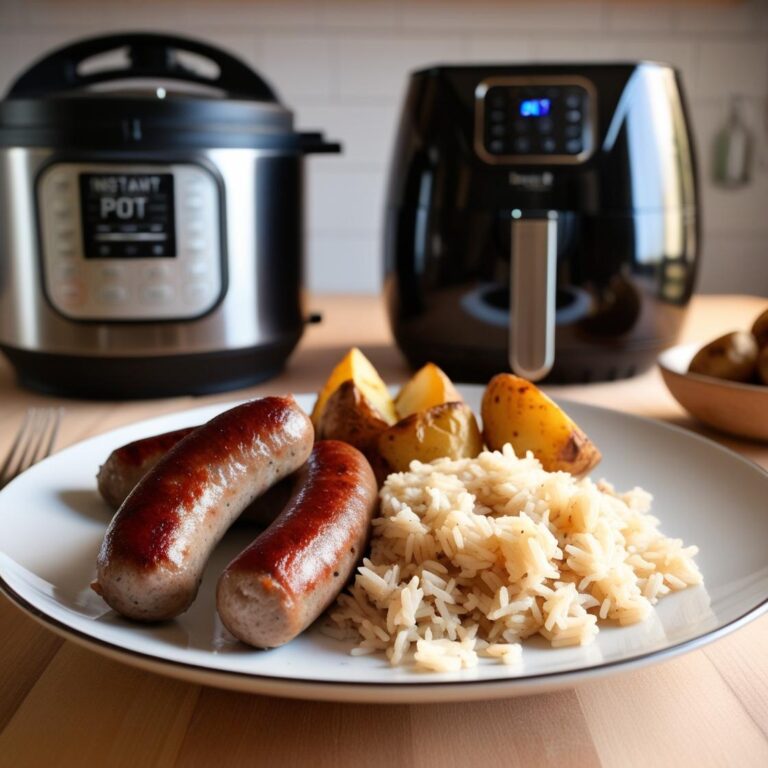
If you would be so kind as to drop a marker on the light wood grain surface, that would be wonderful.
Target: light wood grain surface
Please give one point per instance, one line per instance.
(61, 705)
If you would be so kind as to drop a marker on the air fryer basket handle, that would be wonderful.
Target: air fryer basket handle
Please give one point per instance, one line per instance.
(532, 273)
(150, 56)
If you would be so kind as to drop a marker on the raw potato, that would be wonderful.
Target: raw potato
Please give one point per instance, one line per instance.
(517, 412)
(428, 387)
(762, 365)
(449, 429)
(732, 357)
(760, 330)
(356, 367)
(351, 417)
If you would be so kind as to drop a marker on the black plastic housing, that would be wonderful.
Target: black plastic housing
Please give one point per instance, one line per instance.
(628, 233)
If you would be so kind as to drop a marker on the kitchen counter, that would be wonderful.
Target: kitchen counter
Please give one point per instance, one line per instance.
(63, 705)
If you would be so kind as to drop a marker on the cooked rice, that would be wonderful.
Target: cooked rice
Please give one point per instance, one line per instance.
(471, 556)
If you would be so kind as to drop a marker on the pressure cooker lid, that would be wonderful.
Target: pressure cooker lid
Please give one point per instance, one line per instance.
(144, 90)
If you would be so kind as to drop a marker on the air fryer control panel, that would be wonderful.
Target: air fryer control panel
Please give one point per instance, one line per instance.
(130, 241)
(541, 120)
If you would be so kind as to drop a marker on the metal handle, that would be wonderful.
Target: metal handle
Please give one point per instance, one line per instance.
(532, 274)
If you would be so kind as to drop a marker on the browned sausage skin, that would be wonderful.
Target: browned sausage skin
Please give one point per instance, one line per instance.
(154, 551)
(290, 574)
(126, 465)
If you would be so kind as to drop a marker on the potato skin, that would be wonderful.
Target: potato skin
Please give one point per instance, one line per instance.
(731, 357)
(355, 366)
(515, 411)
(760, 330)
(349, 416)
(448, 429)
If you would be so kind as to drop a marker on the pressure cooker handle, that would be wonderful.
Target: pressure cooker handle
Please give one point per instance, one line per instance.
(149, 56)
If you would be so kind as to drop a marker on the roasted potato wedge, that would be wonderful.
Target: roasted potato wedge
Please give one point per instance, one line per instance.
(356, 367)
(428, 387)
(515, 411)
(350, 416)
(448, 429)
(760, 330)
(732, 357)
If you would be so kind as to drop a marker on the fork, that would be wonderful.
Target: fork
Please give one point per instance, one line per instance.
(33, 442)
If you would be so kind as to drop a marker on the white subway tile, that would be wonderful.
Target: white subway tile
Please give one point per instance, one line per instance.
(732, 67)
(344, 200)
(574, 49)
(638, 17)
(736, 17)
(493, 15)
(366, 132)
(734, 263)
(299, 66)
(378, 67)
(369, 14)
(499, 48)
(731, 210)
(239, 15)
(344, 263)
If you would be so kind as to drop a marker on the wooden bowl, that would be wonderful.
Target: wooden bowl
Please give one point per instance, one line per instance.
(739, 409)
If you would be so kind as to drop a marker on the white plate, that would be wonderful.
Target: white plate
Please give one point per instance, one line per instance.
(52, 522)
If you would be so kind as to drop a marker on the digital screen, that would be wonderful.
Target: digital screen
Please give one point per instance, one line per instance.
(127, 215)
(534, 107)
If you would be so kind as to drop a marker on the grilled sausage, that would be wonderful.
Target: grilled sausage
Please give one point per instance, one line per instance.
(155, 549)
(126, 465)
(290, 574)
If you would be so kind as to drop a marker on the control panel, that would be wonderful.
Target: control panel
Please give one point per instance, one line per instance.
(130, 241)
(541, 120)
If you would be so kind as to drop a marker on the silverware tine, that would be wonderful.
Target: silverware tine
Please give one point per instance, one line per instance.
(33, 442)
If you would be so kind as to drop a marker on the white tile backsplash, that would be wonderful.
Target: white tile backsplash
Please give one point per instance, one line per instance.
(342, 66)
(375, 67)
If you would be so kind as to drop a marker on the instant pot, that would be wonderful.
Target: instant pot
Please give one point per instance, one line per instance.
(542, 218)
(151, 220)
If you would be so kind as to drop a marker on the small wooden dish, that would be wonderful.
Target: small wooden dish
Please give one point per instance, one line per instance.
(739, 409)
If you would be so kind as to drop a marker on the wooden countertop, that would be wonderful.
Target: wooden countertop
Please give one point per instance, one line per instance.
(62, 705)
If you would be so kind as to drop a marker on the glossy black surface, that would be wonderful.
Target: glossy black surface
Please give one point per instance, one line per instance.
(627, 222)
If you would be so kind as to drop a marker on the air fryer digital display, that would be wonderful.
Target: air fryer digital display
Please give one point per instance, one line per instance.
(535, 120)
(127, 215)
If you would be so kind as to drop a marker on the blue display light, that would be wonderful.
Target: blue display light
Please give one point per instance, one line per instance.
(534, 107)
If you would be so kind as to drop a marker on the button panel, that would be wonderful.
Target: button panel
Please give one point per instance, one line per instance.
(111, 281)
(545, 120)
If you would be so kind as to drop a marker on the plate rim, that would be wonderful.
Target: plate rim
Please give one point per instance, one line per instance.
(420, 690)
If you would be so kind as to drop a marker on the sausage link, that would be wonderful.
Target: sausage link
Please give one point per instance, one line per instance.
(126, 465)
(155, 549)
(290, 574)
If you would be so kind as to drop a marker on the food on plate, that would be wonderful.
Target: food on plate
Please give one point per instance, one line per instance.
(446, 430)
(732, 357)
(154, 551)
(762, 365)
(428, 387)
(126, 465)
(760, 329)
(352, 417)
(372, 391)
(517, 412)
(471, 556)
(282, 582)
